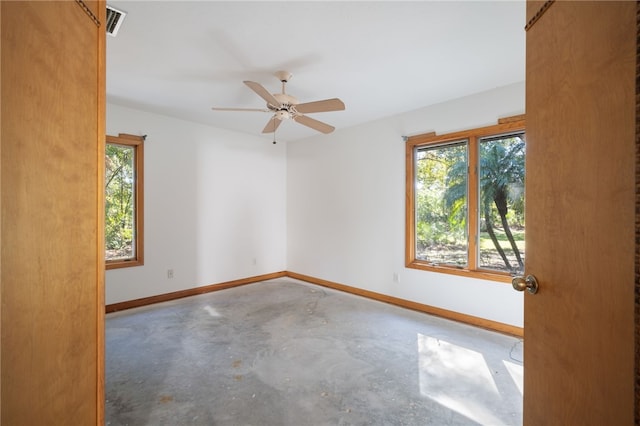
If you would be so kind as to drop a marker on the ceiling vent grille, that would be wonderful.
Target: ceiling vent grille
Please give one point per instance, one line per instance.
(114, 20)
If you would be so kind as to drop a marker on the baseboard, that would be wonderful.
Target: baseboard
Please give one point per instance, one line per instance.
(190, 292)
(432, 310)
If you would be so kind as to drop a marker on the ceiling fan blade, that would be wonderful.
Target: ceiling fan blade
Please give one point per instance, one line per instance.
(314, 124)
(272, 125)
(263, 93)
(326, 105)
(241, 109)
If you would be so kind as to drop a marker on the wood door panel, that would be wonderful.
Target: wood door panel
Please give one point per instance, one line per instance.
(580, 80)
(51, 214)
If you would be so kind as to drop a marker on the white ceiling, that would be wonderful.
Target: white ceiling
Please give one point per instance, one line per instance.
(180, 58)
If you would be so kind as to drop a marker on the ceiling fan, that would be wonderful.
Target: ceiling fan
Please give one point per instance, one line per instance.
(285, 107)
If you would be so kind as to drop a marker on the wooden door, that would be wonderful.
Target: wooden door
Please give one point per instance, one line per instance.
(52, 257)
(580, 106)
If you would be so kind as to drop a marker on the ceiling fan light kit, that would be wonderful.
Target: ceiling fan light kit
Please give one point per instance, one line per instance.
(284, 107)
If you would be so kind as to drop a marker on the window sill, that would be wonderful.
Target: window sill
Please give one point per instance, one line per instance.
(116, 264)
(503, 277)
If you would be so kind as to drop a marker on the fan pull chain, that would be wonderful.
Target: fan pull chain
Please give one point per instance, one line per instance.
(274, 129)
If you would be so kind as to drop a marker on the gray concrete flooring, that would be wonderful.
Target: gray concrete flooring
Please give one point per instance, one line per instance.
(284, 352)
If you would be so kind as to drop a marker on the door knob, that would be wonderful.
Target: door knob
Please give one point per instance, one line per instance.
(529, 283)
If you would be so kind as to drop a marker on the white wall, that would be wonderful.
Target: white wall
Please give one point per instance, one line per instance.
(214, 201)
(346, 202)
(330, 206)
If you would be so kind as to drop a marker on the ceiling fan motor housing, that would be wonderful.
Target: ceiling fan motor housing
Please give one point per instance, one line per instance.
(287, 108)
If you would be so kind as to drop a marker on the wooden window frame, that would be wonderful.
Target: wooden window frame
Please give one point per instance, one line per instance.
(505, 125)
(137, 142)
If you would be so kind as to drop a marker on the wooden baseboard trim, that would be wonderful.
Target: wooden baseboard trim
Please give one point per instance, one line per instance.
(114, 307)
(432, 310)
(444, 313)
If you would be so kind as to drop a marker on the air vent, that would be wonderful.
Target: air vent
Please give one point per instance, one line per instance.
(114, 20)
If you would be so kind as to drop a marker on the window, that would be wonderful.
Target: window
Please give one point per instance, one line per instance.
(124, 210)
(465, 201)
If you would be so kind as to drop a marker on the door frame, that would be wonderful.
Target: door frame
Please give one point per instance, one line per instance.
(637, 233)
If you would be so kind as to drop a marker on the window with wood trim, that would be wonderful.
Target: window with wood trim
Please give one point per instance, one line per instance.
(124, 201)
(465, 201)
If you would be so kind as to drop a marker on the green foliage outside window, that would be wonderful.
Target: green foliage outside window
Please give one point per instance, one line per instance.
(119, 202)
(441, 203)
(501, 202)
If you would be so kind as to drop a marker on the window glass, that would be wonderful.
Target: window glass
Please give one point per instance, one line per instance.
(120, 196)
(441, 204)
(501, 203)
(465, 201)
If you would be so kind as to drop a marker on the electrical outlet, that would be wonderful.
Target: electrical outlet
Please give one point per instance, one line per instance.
(396, 278)
(169, 273)
(254, 261)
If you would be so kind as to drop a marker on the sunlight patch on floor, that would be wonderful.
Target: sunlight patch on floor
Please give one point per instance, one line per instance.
(457, 378)
(212, 311)
(517, 373)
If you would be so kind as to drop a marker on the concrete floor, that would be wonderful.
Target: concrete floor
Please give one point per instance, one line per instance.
(283, 352)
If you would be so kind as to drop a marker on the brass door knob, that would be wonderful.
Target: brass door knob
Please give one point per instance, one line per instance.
(529, 283)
